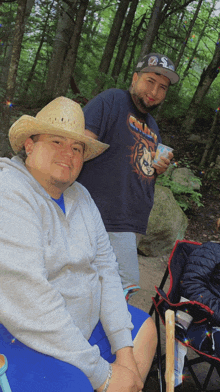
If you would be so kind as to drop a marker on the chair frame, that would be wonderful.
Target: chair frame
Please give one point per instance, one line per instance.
(202, 357)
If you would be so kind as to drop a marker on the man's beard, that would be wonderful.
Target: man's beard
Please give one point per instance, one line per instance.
(59, 183)
(144, 106)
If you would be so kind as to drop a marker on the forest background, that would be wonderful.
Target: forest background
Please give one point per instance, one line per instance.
(78, 48)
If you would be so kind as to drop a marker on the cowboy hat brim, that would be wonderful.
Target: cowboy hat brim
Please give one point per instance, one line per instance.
(27, 126)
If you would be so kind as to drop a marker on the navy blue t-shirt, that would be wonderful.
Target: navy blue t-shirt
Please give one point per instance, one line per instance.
(121, 180)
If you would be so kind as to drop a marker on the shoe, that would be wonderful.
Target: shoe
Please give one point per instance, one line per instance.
(130, 290)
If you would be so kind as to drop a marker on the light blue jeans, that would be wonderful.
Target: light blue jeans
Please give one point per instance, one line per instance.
(125, 248)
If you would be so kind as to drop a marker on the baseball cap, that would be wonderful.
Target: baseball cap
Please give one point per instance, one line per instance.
(158, 63)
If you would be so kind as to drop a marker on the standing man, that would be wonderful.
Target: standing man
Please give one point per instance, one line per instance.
(123, 178)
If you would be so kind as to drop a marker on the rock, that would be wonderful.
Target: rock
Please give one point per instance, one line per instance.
(196, 139)
(167, 223)
(185, 177)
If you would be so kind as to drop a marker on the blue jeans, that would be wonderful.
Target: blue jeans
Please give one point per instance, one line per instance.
(29, 370)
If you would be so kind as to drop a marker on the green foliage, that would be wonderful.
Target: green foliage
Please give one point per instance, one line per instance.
(213, 175)
(96, 27)
(185, 196)
(185, 162)
(173, 101)
(174, 32)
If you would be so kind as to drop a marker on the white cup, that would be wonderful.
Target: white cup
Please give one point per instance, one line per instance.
(162, 151)
(183, 318)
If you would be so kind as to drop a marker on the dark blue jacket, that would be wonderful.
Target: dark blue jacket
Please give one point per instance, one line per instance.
(201, 277)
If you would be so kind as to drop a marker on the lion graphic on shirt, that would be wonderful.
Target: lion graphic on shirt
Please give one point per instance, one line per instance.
(145, 143)
(141, 157)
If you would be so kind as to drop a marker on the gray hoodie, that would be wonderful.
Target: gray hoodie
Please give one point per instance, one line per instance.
(58, 273)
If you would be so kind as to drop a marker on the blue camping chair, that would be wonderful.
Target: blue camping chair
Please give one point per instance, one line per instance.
(201, 317)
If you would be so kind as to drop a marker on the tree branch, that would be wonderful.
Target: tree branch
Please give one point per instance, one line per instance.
(179, 8)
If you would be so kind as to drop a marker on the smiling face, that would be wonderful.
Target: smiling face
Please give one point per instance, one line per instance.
(54, 161)
(148, 90)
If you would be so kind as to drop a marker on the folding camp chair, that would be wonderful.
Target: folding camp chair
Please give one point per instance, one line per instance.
(3, 378)
(171, 300)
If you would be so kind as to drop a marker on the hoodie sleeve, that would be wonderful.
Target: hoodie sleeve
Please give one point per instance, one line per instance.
(198, 274)
(30, 308)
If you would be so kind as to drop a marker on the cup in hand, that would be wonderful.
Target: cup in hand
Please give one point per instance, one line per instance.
(162, 151)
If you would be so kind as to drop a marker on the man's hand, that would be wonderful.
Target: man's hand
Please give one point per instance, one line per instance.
(125, 357)
(164, 162)
(123, 380)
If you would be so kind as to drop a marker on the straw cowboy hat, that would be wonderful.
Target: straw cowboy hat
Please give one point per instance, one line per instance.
(61, 117)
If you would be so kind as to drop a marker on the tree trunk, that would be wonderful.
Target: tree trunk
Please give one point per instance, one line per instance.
(188, 34)
(152, 28)
(211, 140)
(31, 74)
(134, 40)
(214, 152)
(110, 45)
(65, 28)
(156, 20)
(197, 44)
(16, 51)
(6, 62)
(9, 46)
(29, 6)
(176, 63)
(171, 8)
(11, 82)
(70, 59)
(124, 40)
(162, 10)
(179, 23)
(207, 77)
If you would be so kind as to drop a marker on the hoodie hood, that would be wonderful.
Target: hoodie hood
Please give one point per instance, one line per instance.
(15, 162)
(16, 168)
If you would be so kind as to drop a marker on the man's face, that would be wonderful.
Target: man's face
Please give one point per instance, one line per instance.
(148, 90)
(54, 161)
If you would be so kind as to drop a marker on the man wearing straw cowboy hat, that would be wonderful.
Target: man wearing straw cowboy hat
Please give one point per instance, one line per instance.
(61, 293)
